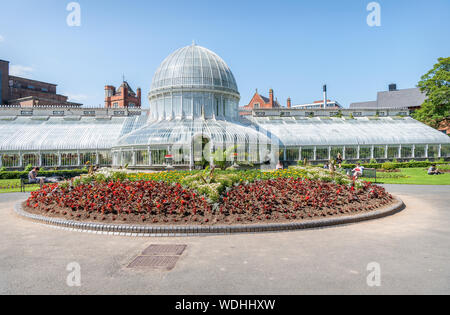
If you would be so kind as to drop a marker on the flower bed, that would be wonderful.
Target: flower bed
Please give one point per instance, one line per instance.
(277, 199)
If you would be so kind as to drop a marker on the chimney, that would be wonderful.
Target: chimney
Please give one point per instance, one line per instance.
(289, 104)
(139, 97)
(392, 87)
(325, 96)
(271, 97)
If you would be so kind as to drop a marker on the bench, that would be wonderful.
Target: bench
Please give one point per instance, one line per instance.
(24, 181)
(370, 173)
(367, 173)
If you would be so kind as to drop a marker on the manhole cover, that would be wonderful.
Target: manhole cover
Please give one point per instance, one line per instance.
(170, 250)
(155, 262)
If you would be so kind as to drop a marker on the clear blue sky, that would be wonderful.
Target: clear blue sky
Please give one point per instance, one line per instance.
(291, 46)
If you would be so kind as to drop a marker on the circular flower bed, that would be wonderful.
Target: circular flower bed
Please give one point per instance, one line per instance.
(152, 202)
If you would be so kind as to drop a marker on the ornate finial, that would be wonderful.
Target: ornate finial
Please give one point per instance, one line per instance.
(123, 77)
(193, 43)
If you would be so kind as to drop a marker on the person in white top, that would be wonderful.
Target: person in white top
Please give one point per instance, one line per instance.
(358, 171)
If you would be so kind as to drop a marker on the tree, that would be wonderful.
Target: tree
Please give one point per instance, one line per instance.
(436, 85)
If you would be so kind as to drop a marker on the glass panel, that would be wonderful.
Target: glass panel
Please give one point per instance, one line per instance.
(105, 158)
(379, 152)
(180, 156)
(393, 152)
(142, 157)
(445, 150)
(10, 160)
(322, 153)
(292, 154)
(69, 159)
(433, 151)
(30, 158)
(127, 158)
(335, 151)
(308, 153)
(365, 152)
(177, 104)
(419, 152)
(88, 158)
(351, 153)
(406, 151)
(158, 157)
(49, 159)
(281, 154)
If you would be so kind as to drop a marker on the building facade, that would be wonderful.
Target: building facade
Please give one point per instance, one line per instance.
(24, 92)
(411, 99)
(259, 101)
(320, 104)
(123, 97)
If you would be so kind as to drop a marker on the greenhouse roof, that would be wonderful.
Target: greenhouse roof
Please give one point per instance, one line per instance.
(341, 131)
(181, 132)
(51, 134)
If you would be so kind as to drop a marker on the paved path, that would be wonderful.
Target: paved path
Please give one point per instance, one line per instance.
(412, 248)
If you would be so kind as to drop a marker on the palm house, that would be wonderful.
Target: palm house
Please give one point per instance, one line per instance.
(193, 115)
(194, 112)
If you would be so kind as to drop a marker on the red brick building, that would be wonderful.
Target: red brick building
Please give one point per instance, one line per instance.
(444, 126)
(259, 101)
(123, 97)
(28, 93)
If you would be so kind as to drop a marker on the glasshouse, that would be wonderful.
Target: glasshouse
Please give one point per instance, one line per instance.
(194, 118)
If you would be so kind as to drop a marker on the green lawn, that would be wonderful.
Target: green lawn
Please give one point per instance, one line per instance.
(412, 176)
(15, 183)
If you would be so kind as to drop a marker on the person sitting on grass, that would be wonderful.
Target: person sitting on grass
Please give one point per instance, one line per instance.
(358, 171)
(33, 179)
(433, 170)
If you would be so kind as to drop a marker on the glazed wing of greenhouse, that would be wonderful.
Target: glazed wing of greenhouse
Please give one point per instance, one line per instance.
(194, 114)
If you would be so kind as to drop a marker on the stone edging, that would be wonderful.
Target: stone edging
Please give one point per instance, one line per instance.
(179, 231)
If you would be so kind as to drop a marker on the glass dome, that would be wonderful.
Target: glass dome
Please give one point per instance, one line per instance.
(193, 82)
(194, 66)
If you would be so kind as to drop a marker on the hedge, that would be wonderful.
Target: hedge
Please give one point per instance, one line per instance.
(396, 165)
(62, 173)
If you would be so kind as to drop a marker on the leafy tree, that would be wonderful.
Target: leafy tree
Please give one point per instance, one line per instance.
(436, 85)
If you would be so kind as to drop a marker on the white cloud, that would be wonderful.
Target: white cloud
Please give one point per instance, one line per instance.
(19, 71)
(2, 39)
(76, 97)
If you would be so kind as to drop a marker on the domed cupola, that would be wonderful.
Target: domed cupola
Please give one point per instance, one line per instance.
(193, 82)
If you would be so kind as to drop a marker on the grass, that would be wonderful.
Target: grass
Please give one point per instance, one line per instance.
(412, 176)
(14, 183)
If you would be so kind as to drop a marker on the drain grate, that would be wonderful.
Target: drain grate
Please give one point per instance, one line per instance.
(162, 250)
(158, 257)
(155, 262)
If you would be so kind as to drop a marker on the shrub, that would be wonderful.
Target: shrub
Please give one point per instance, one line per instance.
(389, 166)
(28, 168)
(21, 174)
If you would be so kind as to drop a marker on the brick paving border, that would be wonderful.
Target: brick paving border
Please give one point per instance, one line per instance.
(181, 231)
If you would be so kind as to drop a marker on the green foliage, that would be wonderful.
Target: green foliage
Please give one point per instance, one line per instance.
(24, 174)
(223, 157)
(28, 168)
(389, 166)
(392, 165)
(436, 85)
(119, 176)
